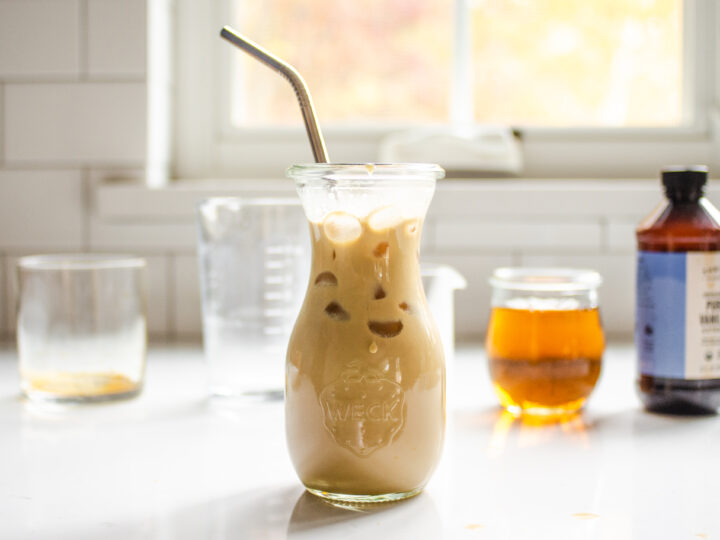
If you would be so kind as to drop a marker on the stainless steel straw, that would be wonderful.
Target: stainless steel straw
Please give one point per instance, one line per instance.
(290, 73)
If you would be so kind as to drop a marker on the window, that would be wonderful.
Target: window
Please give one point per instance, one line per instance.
(370, 62)
(606, 88)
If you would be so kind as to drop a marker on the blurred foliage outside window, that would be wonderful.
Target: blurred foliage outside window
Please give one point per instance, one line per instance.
(554, 63)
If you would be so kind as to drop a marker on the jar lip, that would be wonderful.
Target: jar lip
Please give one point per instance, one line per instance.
(80, 261)
(545, 279)
(365, 173)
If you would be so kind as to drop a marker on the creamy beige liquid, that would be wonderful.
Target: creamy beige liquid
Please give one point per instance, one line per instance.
(365, 404)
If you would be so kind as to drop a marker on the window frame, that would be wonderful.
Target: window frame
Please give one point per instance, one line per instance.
(204, 145)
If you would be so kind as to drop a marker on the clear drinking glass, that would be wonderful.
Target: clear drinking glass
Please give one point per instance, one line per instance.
(81, 326)
(253, 269)
(545, 339)
(365, 373)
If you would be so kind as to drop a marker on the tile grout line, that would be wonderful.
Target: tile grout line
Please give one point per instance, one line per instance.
(83, 38)
(604, 235)
(71, 165)
(69, 79)
(428, 236)
(170, 317)
(87, 207)
(2, 123)
(10, 275)
(4, 323)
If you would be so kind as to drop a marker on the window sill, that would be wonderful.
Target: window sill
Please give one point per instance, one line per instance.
(132, 201)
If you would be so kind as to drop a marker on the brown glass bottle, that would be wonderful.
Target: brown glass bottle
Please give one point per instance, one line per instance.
(686, 222)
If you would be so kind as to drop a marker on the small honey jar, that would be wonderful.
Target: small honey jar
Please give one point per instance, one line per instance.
(545, 339)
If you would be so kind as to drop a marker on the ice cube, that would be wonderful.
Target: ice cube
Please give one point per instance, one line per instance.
(342, 228)
(384, 218)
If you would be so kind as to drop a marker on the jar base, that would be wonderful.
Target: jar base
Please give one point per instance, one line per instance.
(77, 387)
(42, 397)
(67, 397)
(528, 409)
(351, 499)
(678, 396)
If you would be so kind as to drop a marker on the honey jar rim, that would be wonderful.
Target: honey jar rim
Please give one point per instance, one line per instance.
(546, 279)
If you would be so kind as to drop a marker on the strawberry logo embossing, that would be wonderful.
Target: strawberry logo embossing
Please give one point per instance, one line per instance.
(362, 410)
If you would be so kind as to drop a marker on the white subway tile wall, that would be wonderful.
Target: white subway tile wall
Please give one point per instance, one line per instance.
(41, 209)
(72, 115)
(569, 199)
(186, 322)
(11, 289)
(117, 38)
(157, 292)
(620, 235)
(73, 121)
(532, 234)
(40, 39)
(175, 237)
(472, 305)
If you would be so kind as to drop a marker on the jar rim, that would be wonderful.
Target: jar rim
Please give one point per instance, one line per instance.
(366, 173)
(546, 279)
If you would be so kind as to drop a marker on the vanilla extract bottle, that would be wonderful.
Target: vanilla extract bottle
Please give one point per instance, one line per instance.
(677, 332)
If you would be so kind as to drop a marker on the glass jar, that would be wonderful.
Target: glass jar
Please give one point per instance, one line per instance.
(253, 255)
(365, 373)
(545, 339)
(81, 326)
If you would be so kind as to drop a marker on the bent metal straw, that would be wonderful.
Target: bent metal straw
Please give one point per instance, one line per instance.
(290, 73)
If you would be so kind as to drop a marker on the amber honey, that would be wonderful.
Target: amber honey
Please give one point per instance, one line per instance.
(544, 361)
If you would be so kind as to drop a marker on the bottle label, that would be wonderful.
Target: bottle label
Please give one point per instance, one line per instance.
(678, 314)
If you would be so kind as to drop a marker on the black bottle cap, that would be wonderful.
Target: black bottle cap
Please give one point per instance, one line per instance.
(683, 183)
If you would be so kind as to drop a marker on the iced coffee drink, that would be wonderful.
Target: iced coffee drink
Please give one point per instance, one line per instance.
(365, 380)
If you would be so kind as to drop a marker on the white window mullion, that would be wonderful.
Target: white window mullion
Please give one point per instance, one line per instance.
(697, 60)
(462, 110)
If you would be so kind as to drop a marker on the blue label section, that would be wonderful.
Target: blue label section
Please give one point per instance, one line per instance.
(660, 327)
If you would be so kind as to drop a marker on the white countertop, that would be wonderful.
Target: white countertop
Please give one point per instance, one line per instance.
(170, 465)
